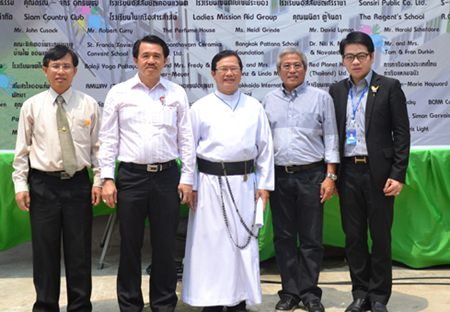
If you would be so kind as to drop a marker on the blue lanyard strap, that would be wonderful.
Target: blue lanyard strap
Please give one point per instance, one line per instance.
(355, 107)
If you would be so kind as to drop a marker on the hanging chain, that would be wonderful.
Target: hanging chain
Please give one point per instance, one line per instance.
(225, 217)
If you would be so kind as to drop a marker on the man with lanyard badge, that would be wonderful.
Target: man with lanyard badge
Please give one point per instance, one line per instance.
(374, 139)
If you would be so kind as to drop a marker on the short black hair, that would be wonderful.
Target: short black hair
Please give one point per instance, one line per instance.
(224, 54)
(57, 53)
(357, 37)
(151, 39)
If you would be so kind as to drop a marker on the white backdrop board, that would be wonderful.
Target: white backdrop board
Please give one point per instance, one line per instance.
(411, 36)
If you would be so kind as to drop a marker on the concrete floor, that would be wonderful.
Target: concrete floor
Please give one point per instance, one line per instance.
(414, 290)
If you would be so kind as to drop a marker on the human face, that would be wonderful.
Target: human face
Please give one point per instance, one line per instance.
(291, 71)
(150, 61)
(227, 75)
(60, 73)
(360, 66)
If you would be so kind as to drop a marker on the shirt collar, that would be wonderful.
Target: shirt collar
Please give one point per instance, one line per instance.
(66, 95)
(231, 100)
(135, 81)
(228, 97)
(368, 79)
(300, 88)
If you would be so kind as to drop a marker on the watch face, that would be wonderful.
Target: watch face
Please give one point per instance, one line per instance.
(332, 176)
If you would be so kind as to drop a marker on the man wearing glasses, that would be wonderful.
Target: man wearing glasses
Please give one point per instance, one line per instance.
(57, 140)
(374, 145)
(235, 170)
(305, 138)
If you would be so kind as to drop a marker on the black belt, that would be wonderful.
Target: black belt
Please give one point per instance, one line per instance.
(59, 174)
(298, 168)
(357, 160)
(156, 167)
(226, 168)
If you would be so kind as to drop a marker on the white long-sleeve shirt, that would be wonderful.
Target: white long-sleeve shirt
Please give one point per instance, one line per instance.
(145, 126)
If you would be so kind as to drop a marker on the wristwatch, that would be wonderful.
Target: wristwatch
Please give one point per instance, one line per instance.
(332, 176)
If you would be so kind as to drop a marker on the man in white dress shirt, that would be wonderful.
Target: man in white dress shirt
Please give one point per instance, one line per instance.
(60, 195)
(146, 127)
(235, 168)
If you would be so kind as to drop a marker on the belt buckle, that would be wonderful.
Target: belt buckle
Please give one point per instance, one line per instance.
(153, 168)
(65, 176)
(360, 160)
(286, 168)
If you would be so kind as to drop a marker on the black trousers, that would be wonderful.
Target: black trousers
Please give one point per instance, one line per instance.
(297, 216)
(143, 194)
(365, 208)
(61, 209)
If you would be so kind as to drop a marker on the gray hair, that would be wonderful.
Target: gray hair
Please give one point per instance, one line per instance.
(292, 50)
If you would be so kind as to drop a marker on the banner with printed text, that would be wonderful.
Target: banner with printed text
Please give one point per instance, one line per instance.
(412, 39)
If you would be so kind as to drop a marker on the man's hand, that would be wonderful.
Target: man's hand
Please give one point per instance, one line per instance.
(185, 191)
(109, 193)
(327, 189)
(392, 187)
(194, 200)
(96, 195)
(23, 200)
(264, 195)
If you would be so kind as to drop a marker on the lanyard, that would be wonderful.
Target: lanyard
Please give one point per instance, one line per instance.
(355, 107)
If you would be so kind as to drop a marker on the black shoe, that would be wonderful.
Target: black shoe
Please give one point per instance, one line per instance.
(314, 306)
(213, 309)
(287, 303)
(238, 308)
(378, 307)
(359, 305)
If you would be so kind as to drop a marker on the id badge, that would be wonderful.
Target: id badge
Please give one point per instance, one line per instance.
(351, 137)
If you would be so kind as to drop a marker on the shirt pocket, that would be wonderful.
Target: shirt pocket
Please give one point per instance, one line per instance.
(81, 128)
(308, 122)
(166, 117)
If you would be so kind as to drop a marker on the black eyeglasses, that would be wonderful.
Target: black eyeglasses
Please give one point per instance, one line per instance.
(362, 56)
